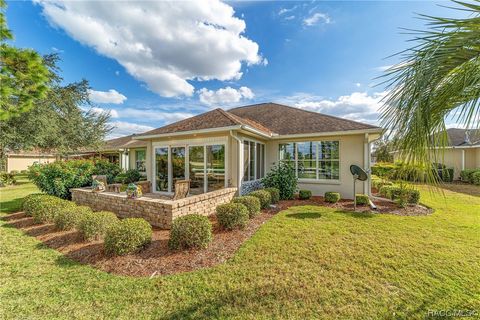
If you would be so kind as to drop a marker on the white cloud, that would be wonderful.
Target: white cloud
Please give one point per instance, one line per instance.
(154, 115)
(316, 18)
(358, 106)
(289, 17)
(121, 129)
(164, 44)
(287, 10)
(110, 96)
(358, 84)
(224, 96)
(113, 113)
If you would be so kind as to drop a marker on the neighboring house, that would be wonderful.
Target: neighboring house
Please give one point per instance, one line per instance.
(126, 151)
(462, 151)
(18, 161)
(238, 147)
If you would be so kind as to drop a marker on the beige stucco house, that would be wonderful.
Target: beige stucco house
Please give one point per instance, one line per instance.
(19, 161)
(462, 151)
(236, 148)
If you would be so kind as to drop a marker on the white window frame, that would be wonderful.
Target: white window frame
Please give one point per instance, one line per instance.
(255, 155)
(317, 160)
(187, 164)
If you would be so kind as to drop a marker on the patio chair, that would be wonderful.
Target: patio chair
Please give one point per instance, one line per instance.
(182, 187)
(101, 178)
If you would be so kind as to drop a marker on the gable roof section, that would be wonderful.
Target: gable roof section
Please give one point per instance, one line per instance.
(285, 120)
(123, 143)
(457, 137)
(268, 118)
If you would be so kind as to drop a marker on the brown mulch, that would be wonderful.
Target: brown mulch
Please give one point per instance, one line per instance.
(157, 259)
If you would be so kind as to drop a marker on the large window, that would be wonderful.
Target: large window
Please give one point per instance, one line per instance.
(313, 160)
(140, 160)
(253, 160)
(203, 165)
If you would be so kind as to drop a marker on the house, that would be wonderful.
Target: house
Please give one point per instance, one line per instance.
(21, 160)
(462, 151)
(236, 148)
(127, 151)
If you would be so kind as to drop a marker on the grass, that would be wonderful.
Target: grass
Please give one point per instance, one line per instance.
(306, 262)
(11, 196)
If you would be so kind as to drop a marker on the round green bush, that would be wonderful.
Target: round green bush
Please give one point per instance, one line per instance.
(332, 197)
(127, 236)
(252, 204)
(362, 199)
(414, 197)
(232, 216)
(94, 225)
(47, 207)
(304, 194)
(274, 194)
(31, 202)
(476, 178)
(190, 231)
(264, 197)
(69, 217)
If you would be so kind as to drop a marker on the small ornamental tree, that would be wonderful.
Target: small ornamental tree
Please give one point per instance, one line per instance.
(282, 176)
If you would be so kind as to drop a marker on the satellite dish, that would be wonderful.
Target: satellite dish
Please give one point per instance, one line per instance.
(358, 174)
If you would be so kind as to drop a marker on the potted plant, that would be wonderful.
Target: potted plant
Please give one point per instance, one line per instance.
(98, 186)
(134, 191)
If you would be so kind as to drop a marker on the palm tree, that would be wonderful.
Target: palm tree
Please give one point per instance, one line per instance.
(439, 77)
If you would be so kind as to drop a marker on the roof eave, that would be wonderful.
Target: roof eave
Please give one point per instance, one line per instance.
(183, 133)
(330, 133)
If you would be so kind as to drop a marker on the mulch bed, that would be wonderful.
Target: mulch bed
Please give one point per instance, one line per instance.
(156, 259)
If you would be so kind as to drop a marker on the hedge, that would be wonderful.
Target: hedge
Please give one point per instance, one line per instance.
(94, 225)
(190, 231)
(45, 208)
(476, 178)
(252, 204)
(332, 197)
(362, 199)
(467, 175)
(274, 193)
(69, 217)
(304, 194)
(127, 236)
(232, 216)
(411, 196)
(264, 197)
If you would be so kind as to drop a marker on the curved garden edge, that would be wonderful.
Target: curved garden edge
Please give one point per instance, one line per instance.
(156, 258)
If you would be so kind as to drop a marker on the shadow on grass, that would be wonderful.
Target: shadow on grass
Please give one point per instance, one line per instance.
(359, 215)
(304, 215)
(11, 206)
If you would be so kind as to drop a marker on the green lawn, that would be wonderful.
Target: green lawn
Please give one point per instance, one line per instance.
(306, 262)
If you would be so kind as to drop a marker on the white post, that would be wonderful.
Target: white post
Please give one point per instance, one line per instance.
(463, 159)
(366, 164)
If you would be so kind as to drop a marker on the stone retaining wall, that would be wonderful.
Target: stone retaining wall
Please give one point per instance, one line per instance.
(158, 212)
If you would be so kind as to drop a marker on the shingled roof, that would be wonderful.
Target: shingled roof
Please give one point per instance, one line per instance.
(458, 137)
(123, 143)
(270, 118)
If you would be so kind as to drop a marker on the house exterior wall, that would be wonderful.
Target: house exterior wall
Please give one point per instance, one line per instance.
(22, 162)
(470, 159)
(451, 158)
(477, 157)
(352, 150)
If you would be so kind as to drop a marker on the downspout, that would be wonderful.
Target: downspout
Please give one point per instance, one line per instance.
(239, 166)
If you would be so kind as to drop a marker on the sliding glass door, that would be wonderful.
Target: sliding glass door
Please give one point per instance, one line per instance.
(161, 169)
(203, 165)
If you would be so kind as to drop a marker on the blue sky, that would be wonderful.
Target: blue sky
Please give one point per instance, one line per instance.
(152, 63)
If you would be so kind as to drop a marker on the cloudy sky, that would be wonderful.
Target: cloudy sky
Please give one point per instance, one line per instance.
(152, 63)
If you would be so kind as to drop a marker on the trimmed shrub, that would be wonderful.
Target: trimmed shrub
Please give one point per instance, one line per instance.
(252, 204)
(274, 194)
(232, 216)
(387, 191)
(31, 202)
(190, 231)
(127, 236)
(282, 176)
(109, 169)
(332, 197)
(47, 208)
(413, 197)
(129, 176)
(94, 225)
(7, 178)
(467, 175)
(382, 169)
(304, 194)
(69, 217)
(476, 178)
(362, 199)
(264, 197)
